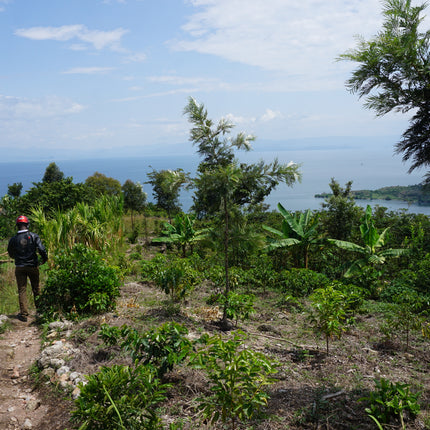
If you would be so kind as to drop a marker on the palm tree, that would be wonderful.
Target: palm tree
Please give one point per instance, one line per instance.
(371, 252)
(298, 231)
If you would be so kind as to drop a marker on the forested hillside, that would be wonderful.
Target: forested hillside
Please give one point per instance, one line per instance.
(418, 194)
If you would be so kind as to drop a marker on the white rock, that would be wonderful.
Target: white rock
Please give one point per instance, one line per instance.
(27, 424)
(74, 375)
(62, 370)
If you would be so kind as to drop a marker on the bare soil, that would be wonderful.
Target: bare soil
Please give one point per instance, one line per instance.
(314, 390)
(23, 405)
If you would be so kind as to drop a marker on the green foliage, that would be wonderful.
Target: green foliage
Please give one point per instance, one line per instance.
(150, 267)
(238, 306)
(238, 377)
(422, 272)
(162, 348)
(390, 400)
(175, 276)
(80, 280)
(52, 174)
(14, 190)
(329, 312)
(340, 212)
(393, 75)
(409, 193)
(223, 185)
(166, 185)
(182, 233)
(98, 226)
(134, 197)
(298, 231)
(60, 195)
(373, 241)
(262, 275)
(404, 282)
(407, 312)
(100, 184)
(301, 282)
(120, 397)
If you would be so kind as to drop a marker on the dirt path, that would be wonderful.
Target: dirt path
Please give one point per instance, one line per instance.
(20, 405)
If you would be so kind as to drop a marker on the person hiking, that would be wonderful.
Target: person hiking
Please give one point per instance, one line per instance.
(23, 248)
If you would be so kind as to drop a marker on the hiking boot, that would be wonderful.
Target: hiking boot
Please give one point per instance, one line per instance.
(22, 317)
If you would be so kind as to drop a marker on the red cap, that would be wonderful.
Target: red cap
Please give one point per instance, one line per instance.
(22, 219)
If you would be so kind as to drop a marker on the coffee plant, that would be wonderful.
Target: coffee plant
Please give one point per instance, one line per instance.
(120, 398)
(82, 281)
(390, 400)
(162, 347)
(329, 312)
(237, 376)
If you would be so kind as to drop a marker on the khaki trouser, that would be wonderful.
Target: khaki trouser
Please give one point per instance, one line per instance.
(21, 274)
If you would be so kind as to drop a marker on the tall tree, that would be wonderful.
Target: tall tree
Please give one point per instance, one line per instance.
(394, 75)
(103, 185)
(14, 190)
(223, 184)
(52, 174)
(134, 197)
(166, 186)
(340, 213)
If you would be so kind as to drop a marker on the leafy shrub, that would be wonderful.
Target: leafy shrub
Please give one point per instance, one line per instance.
(80, 280)
(149, 267)
(353, 296)
(403, 283)
(238, 377)
(329, 312)
(135, 256)
(301, 282)
(407, 312)
(162, 347)
(290, 303)
(369, 280)
(263, 277)
(422, 271)
(120, 397)
(391, 400)
(176, 278)
(239, 306)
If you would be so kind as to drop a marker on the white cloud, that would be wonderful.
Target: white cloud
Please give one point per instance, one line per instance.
(23, 108)
(98, 39)
(87, 70)
(239, 120)
(270, 115)
(138, 57)
(267, 116)
(298, 38)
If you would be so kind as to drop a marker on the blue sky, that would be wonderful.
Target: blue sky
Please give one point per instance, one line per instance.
(88, 78)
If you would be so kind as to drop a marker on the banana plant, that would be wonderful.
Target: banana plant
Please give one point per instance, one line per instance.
(181, 233)
(298, 231)
(371, 251)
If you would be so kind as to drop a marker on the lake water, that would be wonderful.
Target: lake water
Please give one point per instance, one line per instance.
(367, 169)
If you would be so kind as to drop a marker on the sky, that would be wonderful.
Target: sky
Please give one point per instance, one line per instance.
(111, 78)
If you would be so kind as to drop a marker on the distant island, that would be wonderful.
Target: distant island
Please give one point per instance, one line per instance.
(416, 194)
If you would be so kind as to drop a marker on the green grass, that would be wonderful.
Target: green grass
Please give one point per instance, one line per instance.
(9, 303)
(8, 290)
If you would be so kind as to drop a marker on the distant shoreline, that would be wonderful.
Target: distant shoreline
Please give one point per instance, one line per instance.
(416, 194)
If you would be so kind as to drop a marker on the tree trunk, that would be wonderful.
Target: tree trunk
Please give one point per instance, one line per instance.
(227, 279)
